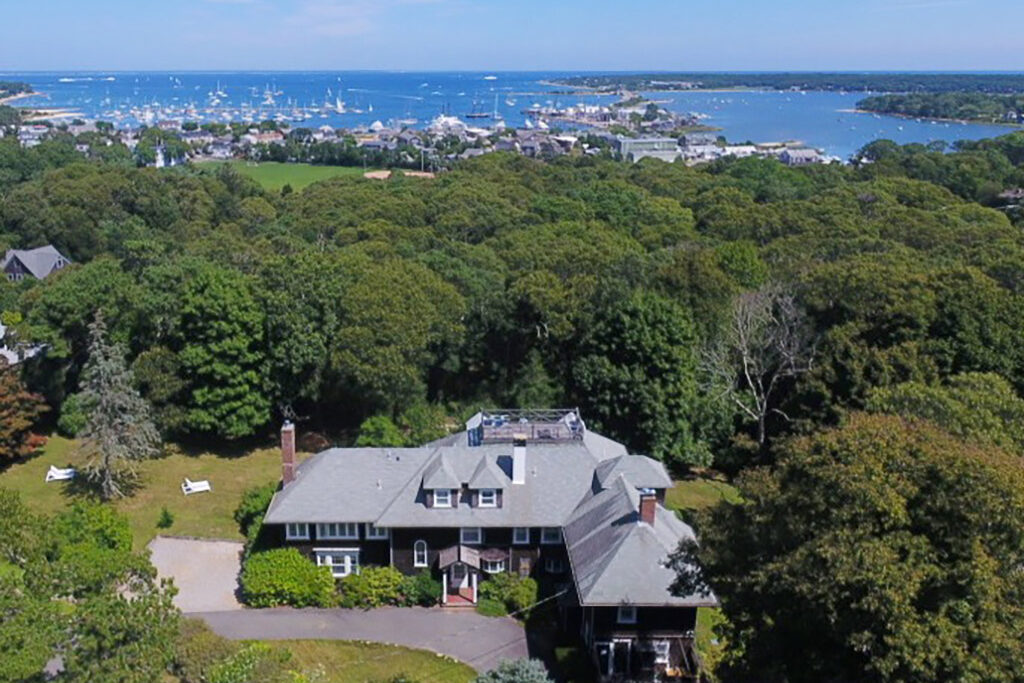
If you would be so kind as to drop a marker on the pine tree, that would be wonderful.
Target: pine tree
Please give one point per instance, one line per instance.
(19, 410)
(119, 431)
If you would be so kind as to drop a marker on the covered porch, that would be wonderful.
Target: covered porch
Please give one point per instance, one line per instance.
(460, 575)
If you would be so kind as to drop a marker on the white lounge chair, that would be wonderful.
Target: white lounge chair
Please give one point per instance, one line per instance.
(189, 487)
(58, 474)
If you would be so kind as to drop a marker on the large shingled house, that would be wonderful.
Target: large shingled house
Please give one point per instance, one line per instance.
(529, 492)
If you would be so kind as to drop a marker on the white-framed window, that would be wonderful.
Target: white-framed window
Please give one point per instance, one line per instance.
(471, 535)
(375, 532)
(627, 614)
(521, 535)
(554, 565)
(419, 554)
(492, 566)
(550, 535)
(488, 498)
(442, 498)
(296, 531)
(347, 531)
(342, 561)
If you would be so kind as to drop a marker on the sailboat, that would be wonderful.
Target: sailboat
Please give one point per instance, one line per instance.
(339, 106)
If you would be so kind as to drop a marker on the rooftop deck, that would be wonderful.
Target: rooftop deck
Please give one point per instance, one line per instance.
(506, 425)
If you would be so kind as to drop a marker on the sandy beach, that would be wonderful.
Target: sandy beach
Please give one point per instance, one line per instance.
(15, 98)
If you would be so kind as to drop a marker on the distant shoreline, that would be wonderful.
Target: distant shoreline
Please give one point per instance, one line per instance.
(911, 117)
(14, 98)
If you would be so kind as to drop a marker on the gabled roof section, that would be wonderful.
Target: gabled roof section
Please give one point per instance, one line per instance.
(39, 262)
(488, 475)
(346, 485)
(641, 471)
(616, 559)
(439, 474)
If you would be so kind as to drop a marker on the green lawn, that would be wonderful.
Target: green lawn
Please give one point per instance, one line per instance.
(207, 515)
(352, 662)
(273, 175)
(698, 493)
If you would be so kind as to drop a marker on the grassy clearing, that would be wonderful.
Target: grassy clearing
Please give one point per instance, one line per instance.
(690, 495)
(273, 175)
(352, 662)
(206, 515)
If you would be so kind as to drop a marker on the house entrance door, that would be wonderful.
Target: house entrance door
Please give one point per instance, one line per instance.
(459, 576)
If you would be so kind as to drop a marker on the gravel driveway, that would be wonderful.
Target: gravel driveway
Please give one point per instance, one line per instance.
(205, 572)
(481, 642)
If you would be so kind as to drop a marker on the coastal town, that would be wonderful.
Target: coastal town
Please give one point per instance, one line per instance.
(630, 129)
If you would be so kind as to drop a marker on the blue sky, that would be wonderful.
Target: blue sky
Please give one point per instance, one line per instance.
(512, 34)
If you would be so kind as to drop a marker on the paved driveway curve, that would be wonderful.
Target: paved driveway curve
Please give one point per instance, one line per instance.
(481, 642)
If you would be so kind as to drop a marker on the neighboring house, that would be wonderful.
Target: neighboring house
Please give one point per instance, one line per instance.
(800, 156)
(38, 263)
(635, 149)
(526, 492)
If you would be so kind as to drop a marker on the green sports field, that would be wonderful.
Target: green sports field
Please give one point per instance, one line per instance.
(274, 175)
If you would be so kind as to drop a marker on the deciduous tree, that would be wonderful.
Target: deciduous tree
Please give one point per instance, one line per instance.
(882, 550)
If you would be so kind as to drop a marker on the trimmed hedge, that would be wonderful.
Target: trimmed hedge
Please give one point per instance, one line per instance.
(517, 594)
(379, 586)
(283, 576)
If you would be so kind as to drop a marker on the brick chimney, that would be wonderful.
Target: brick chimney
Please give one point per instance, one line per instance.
(648, 506)
(519, 459)
(287, 452)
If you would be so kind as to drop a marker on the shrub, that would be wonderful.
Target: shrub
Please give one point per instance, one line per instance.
(72, 416)
(282, 576)
(95, 523)
(373, 587)
(379, 431)
(515, 593)
(166, 519)
(516, 671)
(421, 589)
(254, 504)
(197, 650)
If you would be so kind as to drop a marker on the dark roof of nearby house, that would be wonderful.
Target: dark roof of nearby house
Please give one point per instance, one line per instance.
(39, 262)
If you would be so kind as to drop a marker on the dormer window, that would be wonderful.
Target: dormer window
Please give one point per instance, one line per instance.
(442, 498)
(488, 498)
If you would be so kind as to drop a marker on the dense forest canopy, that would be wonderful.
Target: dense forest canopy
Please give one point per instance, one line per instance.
(854, 82)
(513, 282)
(973, 106)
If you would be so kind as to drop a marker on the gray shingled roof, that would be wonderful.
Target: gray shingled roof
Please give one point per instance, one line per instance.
(39, 262)
(346, 485)
(438, 474)
(557, 476)
(641, 471)
(488, 476)
(617, 559)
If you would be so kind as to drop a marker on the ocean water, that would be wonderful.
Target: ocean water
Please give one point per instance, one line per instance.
(819, 119)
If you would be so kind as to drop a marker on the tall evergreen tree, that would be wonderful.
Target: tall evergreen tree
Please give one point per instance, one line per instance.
(119, 430)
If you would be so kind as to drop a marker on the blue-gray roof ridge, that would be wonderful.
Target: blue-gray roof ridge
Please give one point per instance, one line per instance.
(438, 474)
(40, 261)
(488, 475)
